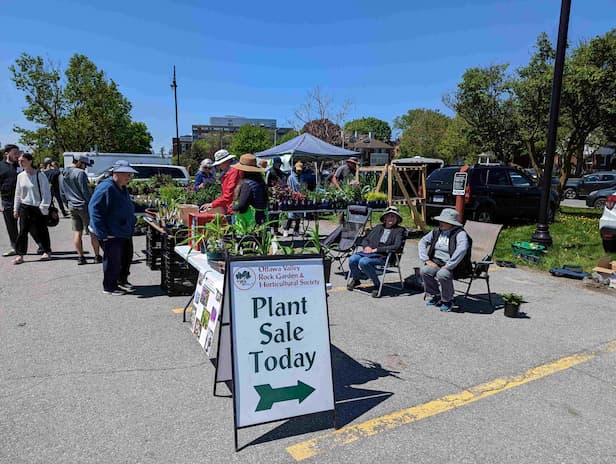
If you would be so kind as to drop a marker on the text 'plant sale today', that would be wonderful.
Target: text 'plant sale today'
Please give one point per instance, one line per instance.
(281, 347)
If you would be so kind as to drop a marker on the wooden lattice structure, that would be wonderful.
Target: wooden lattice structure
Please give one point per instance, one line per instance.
(406, 185)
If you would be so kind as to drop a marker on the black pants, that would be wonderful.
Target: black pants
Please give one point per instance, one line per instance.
(55, 193)
(11, 222)
(116, 262)
(31, 220)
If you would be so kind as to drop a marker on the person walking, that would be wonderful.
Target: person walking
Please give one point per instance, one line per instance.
(112, 220)
(445, 253)
(31, 207)
(8, 181)
(75, 189)
(294, 185)
(53, 177)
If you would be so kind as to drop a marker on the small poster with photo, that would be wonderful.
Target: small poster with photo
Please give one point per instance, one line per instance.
(207, 303)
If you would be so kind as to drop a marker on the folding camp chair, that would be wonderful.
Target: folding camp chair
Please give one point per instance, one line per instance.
(391, 265)
(341, 243)
(484, 237)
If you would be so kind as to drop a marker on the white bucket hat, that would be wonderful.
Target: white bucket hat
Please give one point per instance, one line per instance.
(449, 216)
(221, 156)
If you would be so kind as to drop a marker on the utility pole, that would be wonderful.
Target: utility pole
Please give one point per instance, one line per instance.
(176, 145)
(542, 233)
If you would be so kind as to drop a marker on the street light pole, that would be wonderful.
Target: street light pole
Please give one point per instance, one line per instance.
(542, 233)
(176, 147)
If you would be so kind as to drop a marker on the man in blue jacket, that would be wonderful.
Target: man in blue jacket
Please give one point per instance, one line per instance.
(112, 219)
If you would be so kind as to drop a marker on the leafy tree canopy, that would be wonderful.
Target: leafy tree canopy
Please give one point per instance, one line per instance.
(422, 132)
(251, 139)
(380, 129)
(286, 137)
(76, 109)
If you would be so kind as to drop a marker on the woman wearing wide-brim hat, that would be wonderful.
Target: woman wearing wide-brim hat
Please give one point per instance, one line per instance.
(386, 237)
(444, 253)
(251, 194)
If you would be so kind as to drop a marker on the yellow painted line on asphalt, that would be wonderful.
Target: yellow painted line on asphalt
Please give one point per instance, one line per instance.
(353, 433)
(181, 310)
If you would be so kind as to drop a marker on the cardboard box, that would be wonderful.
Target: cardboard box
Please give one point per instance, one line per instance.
(605, 266)
(185, 210)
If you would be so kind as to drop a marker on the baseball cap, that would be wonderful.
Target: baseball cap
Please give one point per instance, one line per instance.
(122, 166)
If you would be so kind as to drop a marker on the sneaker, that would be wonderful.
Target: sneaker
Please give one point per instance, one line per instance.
(434, 301)
(352, 284)
(98, 259)
(117, 292)
(285, 233)
(446, 306)
(375, 294)
(6, 254)
(127, 287)
(81, 261)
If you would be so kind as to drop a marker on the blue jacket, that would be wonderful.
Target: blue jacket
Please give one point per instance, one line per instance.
(112, 212)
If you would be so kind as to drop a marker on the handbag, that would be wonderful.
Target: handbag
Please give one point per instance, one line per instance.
(53, 218)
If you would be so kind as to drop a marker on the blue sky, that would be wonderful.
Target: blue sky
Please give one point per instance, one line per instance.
(259, 59)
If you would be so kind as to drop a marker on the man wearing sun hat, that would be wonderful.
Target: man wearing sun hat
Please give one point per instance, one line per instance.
(229, 179)
(112, 220)
(384, 238)
(344, 172)
(445, 251)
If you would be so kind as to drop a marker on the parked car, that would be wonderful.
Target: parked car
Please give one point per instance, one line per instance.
(607, 225)
(493, 193)
(580, 188)
(597, 198)
(147, 171)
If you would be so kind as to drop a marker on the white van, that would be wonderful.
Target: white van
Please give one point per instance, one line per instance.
(147, 171)
(103, 161)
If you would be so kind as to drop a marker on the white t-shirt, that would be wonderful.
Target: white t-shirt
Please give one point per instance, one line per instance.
(27, 191)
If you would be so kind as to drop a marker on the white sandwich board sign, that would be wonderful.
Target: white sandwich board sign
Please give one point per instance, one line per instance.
(279, 338)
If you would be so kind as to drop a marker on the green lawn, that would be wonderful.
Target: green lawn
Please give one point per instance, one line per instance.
(575, 236)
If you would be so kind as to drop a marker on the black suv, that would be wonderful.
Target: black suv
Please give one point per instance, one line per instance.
(493, 193)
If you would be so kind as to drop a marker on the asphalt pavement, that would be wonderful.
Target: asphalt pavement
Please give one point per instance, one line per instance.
(93, 378)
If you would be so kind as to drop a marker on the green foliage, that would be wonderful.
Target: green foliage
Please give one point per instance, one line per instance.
(375, 196)
(199, 197)
(422, 132)
(575, 236)
(251, 139)
(455, 143)
(513, 298)
(75, 113)
(380, 129)
(286, 137)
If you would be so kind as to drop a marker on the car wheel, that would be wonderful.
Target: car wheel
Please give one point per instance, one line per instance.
(609, 246)
(484, 215)
(599, 203)
(570, 194)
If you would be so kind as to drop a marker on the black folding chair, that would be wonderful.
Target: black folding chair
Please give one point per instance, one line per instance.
(341, 243)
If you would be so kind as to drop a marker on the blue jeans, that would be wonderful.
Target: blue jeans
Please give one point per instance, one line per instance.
(366, 263)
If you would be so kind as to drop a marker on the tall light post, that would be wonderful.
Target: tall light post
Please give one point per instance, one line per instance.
(176, 146)
(275, 133)
(542, 233)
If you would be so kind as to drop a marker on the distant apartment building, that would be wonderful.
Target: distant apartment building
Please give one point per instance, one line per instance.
(185, 144)
(232, 124)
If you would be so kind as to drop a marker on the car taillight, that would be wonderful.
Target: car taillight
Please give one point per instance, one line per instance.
(610, 202)
(467, 194)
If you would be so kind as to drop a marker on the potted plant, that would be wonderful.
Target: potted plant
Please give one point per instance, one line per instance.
(512, 303)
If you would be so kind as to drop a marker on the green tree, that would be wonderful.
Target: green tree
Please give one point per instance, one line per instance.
(76, 112)
(532, 90)
(251, 139)
(455, 143)
(286, 137)
(484, 99)
(422, 132)
(380, 129)
(589, 96)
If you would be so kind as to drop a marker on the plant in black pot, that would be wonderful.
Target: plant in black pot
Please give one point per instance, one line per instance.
(512, 303)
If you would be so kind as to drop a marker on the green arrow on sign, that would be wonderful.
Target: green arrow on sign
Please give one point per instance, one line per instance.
(270, 395)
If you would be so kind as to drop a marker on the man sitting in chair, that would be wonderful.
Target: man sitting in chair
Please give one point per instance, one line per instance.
(444, 253)
(384, 238)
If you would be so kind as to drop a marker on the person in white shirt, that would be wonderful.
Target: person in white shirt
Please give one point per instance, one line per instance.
(31, 206)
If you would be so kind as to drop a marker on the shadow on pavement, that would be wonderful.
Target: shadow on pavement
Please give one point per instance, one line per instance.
(148, 291)
(351, 402)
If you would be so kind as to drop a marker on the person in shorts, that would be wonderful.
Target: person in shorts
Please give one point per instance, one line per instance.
(76, 191)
